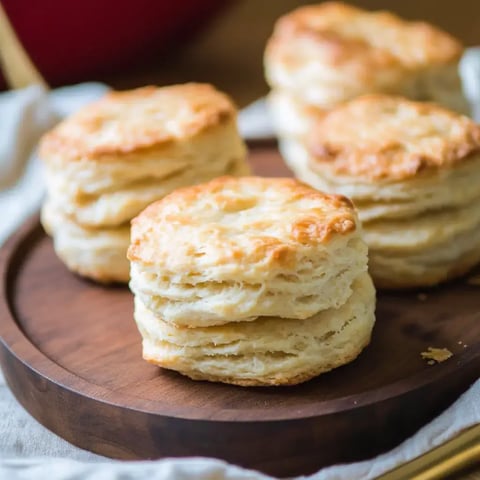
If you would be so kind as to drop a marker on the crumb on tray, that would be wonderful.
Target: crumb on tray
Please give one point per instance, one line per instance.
(422, 296)
(437, 355)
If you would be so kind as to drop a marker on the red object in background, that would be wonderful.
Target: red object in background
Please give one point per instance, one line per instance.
(73, 40)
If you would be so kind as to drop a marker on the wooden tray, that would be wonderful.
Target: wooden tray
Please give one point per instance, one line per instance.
(71, 354)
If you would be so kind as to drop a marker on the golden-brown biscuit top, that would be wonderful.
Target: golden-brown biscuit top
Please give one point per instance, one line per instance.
(385, 137)
(124, 122)
(339, 34)
(238, 221)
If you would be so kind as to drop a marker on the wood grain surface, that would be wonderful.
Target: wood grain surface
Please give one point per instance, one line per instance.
(71, 354)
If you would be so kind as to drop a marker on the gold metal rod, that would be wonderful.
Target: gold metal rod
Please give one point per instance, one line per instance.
(461, 452)
(18, 69)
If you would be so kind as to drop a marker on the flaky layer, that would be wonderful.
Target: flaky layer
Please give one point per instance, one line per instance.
(317, 280)
(423, 268)
(423, 232)
(124, 123)
(328, 53)
(268, 351)
(385, 199)
(99, 254)
(112, 193)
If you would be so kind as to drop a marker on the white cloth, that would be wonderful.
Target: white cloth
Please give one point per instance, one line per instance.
(29, 451)
(24, 116)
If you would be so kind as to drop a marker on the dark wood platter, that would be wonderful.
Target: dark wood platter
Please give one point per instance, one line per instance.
(71, 354)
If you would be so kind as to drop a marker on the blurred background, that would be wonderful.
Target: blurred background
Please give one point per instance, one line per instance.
(128, 43)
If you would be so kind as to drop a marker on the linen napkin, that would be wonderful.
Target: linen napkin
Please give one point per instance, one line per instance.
(24, 116)
(27, 450)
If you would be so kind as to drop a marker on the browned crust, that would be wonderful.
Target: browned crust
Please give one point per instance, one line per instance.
(379, 137)
(135, 120)
(323, 27)
(332, 214)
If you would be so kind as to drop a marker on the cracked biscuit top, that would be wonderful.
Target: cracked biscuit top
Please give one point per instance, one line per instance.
(377, 137)
(239, 221)
(364, 43)
(122, 123)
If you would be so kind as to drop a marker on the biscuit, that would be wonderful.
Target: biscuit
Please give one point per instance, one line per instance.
(269, 351)
(105, 164)
(114, 157)
(235, 249)
(412, 171)
(323, 55)
(251, 281)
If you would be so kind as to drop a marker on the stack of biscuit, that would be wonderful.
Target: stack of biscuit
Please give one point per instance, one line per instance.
(320, 56)
(106, 163)
(251, 281)
(410, 169)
